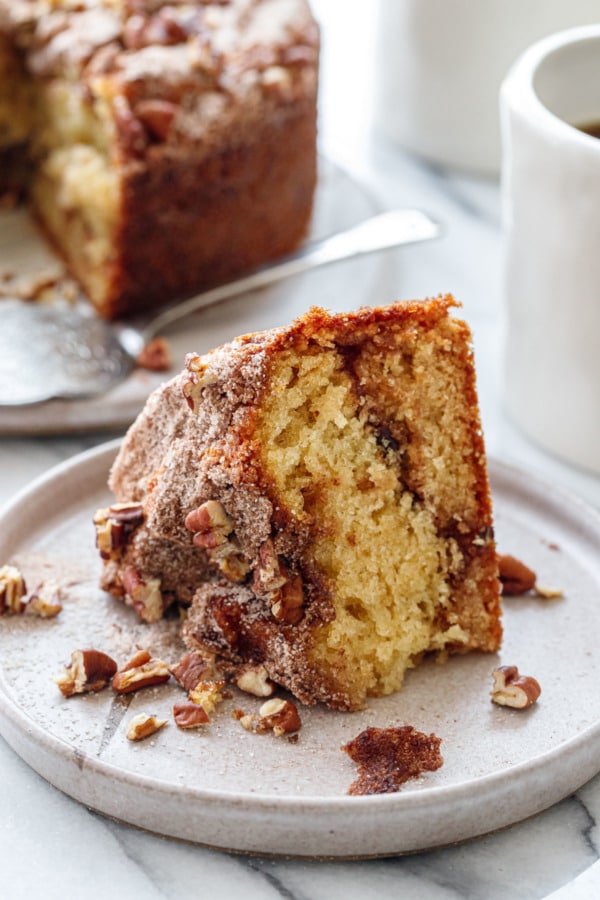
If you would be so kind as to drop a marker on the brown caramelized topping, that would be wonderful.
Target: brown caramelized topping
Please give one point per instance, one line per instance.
(387, 757)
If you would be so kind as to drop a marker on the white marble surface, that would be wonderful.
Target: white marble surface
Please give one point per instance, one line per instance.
(52, 847)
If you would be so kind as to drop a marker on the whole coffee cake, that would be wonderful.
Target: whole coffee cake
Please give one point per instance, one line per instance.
(169, 144)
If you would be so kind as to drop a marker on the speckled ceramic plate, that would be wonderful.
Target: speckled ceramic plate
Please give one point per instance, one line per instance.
(231, 789)
(340, 202)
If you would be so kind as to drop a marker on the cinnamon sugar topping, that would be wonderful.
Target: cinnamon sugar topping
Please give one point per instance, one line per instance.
(387, 757)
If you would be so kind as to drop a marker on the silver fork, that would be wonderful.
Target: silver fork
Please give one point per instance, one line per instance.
(49, 351)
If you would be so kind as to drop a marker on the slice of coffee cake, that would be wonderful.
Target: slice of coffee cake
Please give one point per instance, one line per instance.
(332, 475)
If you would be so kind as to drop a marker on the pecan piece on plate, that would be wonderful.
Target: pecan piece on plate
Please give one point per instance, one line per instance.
(512, 689)
(189, 715)
(12, 591)
(276, 715)
(143, 726)
(88, 670)
(515, 576)
(45, 601)
(141, 671)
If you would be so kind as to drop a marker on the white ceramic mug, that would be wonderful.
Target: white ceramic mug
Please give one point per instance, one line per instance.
(551, 208)
(439, 65)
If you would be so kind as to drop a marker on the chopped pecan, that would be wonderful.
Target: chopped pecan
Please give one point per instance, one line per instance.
(255, 680)
(197, 378)
(276, 715)
(12, 591)
(280, 716)
(282, 590)
(192, 668)
(144, 596)
(230, 560)
(189, 715)
(210, 523)
(246, 720)
(512, 689)
(515, 576)
(213, 532)
(288, 607)
(88, 670)
(156, 116)
(142, 726)
(130, 131)
(270, 573)
(141, 671)
(45, 601)
(114, 526)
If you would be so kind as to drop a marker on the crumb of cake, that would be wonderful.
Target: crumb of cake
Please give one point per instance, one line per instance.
(388, 757)
(31, 288)
(190, 715)
(12, 591)
(155, 356)
(547, 592)
(208, 695)
(45, 601)
(88, 671)
(143, 726)
(513, 689)
(141, 671)
(515, 576)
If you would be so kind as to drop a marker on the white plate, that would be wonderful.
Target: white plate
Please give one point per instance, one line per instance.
(340, 202)
(231, 789)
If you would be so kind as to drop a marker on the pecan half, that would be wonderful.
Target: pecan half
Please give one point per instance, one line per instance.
(143, 726)
(12, 591)
(515, 576)
(88, 670)
(141, 671)
(512, 689)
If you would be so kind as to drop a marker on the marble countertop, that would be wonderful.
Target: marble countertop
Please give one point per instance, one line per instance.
(53, 847)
